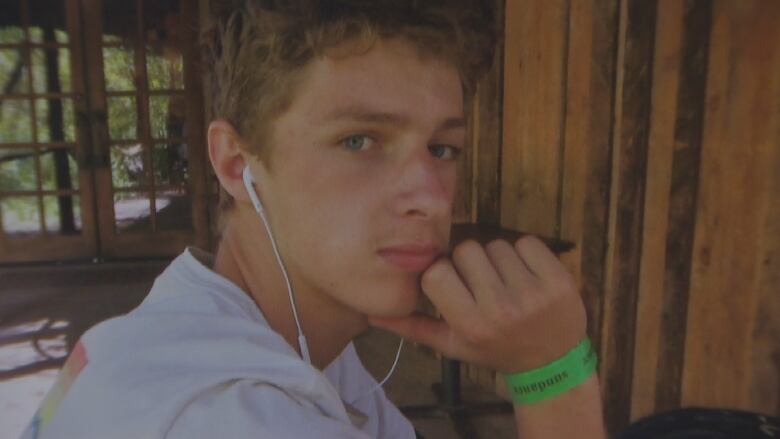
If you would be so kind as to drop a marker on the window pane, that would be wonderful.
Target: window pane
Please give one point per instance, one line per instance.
(119, 68)
(127, 166)
(161, 20)
(11, 30)
(119, 21)
(13, 71)
(108, 38)
(59, 170)
(62, 214)
(122, 118)
(174, 210)
(55, 120)
(36, 34)
(15, 121)
(11, 34)
(51, 70)
(164, 69)
(61, 36)
(50, 15)
(166, 114)
(17, 169)
(132, 211)
(170, 164)
(20, 216)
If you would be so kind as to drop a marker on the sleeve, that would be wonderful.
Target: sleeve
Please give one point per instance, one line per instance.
(243, 409)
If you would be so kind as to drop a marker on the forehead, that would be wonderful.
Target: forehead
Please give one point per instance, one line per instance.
(392, 77)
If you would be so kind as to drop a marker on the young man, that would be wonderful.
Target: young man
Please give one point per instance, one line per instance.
(336, 133)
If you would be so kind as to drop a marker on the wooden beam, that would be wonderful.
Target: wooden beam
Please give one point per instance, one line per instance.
(629, 164)
(682, 201)
(732, 255)
(666, 79)
(488, 135)
(587, 148)
(534, 75)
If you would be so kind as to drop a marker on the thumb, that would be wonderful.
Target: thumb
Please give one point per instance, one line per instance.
(421, 328)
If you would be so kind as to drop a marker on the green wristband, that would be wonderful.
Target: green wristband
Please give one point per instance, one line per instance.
(556, 378)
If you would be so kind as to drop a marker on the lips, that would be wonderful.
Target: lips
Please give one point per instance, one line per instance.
(412, 258)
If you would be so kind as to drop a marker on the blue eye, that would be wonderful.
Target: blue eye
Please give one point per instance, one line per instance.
(357, 142)
(445, 152)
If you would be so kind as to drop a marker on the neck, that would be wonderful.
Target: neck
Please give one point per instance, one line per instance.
(251, 264)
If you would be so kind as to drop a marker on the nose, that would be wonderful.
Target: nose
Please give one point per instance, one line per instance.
(426, 187)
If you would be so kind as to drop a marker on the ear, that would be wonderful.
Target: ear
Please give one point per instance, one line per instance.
(228, 158)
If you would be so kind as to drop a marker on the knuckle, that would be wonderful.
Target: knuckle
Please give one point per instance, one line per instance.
(507, 314)
(497, 286)
(478, 334)
(497, 245)
(434, 273)
(465, 248)
(525, 240)
(565, 284)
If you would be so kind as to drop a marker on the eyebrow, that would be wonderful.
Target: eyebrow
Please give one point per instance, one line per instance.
(367, 115)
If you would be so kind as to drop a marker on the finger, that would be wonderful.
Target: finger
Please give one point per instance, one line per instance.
(542, 262)
(509, 265)
(449, 295)
(478, 272)
(422, 328)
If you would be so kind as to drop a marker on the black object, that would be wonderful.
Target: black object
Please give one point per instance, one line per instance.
(704, 423)
(484, 233)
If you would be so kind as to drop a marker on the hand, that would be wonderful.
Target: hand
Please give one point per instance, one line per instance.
(510, 308)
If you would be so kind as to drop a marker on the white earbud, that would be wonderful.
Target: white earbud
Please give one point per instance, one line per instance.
(248, 180)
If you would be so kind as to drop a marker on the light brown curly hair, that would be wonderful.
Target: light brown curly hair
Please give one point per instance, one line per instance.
(255, 50)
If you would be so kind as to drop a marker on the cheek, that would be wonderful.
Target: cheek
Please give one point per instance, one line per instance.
(329, 224)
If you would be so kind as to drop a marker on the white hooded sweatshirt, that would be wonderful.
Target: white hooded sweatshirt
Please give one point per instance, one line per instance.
(197, 359)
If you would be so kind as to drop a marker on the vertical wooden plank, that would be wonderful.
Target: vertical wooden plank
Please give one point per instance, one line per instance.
(682, 201)
(534, 71)
(587, 147)
(632, 115)
(489, 108)
(764, 384)
(196, 129)
(142, 109)
(739, 150)
(486, 161)
(98, 150)
(666, 72)
(86, 185)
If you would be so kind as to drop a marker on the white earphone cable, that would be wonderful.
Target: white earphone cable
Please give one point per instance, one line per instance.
(247, 176)
(387, 377)
(259, 208)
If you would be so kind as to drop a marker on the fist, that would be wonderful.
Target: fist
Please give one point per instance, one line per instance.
(509, 308)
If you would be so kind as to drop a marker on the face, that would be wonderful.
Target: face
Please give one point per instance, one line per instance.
(360, 193)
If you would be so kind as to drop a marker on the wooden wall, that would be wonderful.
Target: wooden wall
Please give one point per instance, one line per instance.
(648, 133)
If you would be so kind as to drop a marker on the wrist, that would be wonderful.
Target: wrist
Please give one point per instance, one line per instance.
(544, 353)
(559, 376)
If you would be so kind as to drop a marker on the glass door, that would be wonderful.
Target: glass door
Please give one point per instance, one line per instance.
(46, 196)
(101, 130)
(150, 148)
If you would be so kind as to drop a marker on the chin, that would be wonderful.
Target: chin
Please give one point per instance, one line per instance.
(401, 299)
